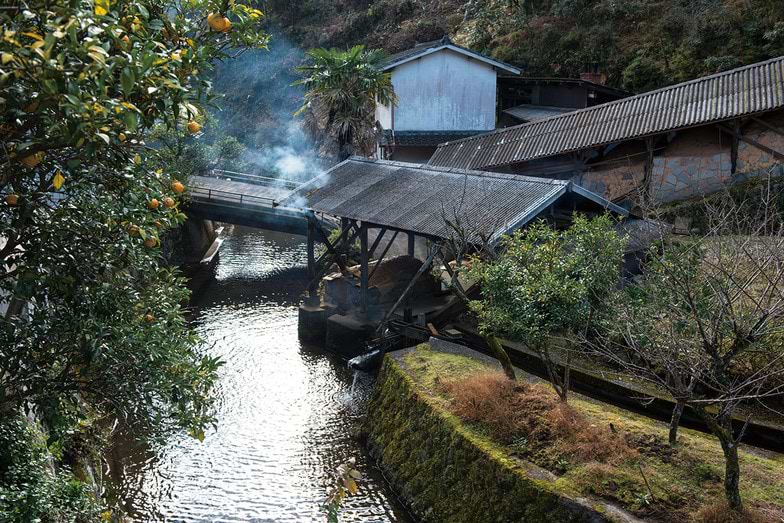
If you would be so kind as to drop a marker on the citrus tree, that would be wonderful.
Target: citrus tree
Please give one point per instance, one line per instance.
(92, 324)
(548, 283)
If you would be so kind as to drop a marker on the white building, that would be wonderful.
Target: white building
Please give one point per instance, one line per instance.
(445, 92)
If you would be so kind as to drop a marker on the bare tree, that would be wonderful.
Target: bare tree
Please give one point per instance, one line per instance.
(705, 322)
(470, 238)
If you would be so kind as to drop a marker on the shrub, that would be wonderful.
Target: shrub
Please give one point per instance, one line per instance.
(512, 411)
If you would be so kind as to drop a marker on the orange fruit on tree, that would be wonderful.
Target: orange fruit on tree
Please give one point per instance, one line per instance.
(168, 203)
(217, 21)
(133, 230)
(153, 204)
(226, 25)
(151, 242)
(194, 127)
(149, 318)
(12, 200)
(177, 187)
(158, 225)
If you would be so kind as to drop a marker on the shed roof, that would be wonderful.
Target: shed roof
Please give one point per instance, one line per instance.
(427, 48)
(417, 198)
(531, 113)
(743, 91)
(391, 137)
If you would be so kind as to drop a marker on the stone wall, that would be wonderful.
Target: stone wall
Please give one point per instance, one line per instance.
(694, 163)
(445, 472)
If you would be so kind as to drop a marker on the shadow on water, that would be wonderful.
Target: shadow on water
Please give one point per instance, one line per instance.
(286, 417)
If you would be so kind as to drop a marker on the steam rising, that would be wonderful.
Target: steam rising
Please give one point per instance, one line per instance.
(258, 108)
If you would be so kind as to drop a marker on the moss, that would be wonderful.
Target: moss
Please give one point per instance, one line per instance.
(448, 472)
(452, 471)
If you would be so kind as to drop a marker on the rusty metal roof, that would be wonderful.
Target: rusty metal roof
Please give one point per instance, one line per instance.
(417, 198)
(747, 90)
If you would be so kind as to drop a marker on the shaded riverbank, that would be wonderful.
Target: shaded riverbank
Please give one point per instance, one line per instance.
(285, 418)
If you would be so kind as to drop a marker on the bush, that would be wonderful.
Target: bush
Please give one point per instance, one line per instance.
(514, 411)
(30, 488)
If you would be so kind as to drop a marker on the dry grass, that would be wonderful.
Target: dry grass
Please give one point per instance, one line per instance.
(514, 410)
(720, 512)
(657, 483)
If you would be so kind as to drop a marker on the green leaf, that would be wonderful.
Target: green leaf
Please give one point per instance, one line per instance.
(127, 78)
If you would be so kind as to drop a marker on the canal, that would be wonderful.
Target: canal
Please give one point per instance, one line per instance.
(286, 418)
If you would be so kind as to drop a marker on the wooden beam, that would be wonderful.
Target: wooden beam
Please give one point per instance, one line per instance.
(378, 239)
(363, 267)
(734, 147)
(383, 254)
(750, 141)
(435, 249)
(766, 125)
(411, 243)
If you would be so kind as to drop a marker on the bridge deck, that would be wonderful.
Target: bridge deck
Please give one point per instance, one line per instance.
(237, 192)
(246, 200)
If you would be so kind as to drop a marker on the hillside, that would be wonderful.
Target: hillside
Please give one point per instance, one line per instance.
(639, 44)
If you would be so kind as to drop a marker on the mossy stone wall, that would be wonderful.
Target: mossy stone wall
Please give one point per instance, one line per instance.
(448, 473)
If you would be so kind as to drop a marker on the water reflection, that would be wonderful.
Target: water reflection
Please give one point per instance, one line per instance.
(284, 414)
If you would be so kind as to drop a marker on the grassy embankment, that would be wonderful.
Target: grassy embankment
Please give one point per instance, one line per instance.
(461, 441)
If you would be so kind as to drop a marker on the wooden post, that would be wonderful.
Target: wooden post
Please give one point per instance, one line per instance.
(363, 265)
(383, 254)
(311, 258)
(734, 147)
(411, 244)
(424, 268)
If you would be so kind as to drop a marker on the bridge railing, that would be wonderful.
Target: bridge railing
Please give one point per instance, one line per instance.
(230, 198)
(255, 179)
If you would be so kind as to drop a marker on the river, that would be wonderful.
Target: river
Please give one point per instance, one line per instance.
(286, 418)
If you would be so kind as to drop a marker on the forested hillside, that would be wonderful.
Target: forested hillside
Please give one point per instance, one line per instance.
(639, 44)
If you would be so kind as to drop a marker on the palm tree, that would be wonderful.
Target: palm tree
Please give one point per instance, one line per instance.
(342, 90)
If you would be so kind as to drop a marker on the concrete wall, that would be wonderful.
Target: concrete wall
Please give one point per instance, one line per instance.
(443, 91)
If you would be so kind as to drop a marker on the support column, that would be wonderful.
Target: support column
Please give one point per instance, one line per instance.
(364, 271)
(312, 293)
(411, 243)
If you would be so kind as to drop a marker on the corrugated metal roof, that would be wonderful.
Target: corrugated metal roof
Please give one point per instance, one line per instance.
(531, 113)
(747, 90)
(436, 45)
(423, 138)
(413, 197)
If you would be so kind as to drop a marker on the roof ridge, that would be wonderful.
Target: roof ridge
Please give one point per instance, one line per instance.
(615, 103)
(460, 170)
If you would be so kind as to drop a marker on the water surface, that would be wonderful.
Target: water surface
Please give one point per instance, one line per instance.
(285, 416)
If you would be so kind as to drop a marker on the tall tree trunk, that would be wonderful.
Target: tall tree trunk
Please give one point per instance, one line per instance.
(675, 421)
(501, 355)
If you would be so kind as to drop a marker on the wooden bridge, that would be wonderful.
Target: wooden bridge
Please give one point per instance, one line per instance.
(246, 199)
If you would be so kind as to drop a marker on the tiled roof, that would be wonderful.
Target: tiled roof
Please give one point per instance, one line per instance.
(744, 91)
(413, 197)
(423, 138)
(436, 45)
